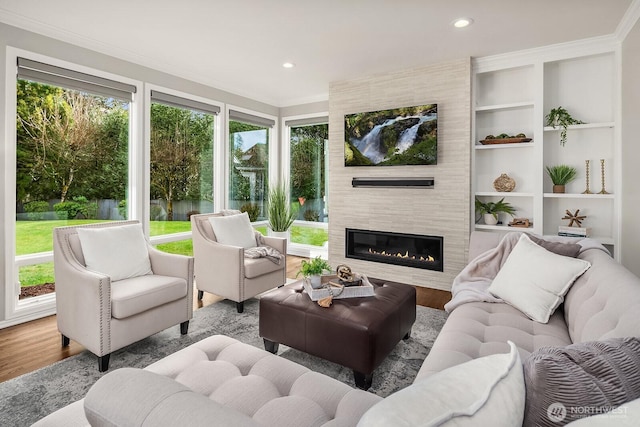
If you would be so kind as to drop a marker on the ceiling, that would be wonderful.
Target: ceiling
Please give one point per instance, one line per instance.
(239, 46)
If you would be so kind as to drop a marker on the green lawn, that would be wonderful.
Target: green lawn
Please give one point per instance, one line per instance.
(36, 236)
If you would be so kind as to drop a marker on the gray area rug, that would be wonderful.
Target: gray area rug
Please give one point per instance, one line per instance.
(26, 399)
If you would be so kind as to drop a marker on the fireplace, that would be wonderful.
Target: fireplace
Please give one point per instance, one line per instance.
(410, 250)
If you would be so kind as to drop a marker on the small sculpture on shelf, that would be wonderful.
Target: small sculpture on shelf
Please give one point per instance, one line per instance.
(520, 222)
(504, 183)
(574, 218)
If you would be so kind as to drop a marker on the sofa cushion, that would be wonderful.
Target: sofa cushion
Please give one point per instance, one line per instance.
(535, 280)
(138, 294)
(256, 267)
(138, 398)
(485, 391)
(480, 329)
(568, 383)
(233, 230)
(119, 252)
(561, 248)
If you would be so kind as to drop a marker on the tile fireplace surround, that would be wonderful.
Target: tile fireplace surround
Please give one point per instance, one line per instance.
(443, 210)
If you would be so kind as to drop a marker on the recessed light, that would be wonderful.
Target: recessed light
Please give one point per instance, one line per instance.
(288, 65)
(462, 22)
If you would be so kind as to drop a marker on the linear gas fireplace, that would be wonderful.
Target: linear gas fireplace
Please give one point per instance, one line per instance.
(411, 250)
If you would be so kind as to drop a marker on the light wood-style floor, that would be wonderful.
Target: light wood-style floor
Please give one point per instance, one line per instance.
(36, 344)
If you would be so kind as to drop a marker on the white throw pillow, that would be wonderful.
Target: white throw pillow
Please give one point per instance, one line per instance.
(234, 230)
(534, 280)
(488, 391)
(120, 252)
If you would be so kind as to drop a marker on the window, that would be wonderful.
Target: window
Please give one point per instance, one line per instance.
(181, 166)
(72, 161)
(308, 162)
(249, 163)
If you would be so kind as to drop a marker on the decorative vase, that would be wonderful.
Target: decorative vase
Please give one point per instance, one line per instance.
(504, 183)
(315, 281)
(489, 219)
(557, 188)
(281, 234)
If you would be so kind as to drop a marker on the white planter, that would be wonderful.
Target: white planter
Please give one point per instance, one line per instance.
(281, 234)
(316, 281)
(489, 219)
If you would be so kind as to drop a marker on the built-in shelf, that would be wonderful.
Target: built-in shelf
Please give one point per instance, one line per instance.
(501, 227)
(578, 196)
(503, 194)
(508, 106)
(583, 126)
(494, 146)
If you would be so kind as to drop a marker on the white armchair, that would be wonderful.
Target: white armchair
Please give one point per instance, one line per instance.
(105, 315)
(225, 271)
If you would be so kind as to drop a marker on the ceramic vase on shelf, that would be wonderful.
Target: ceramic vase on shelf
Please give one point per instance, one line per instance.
(557, 188)
(489, 219)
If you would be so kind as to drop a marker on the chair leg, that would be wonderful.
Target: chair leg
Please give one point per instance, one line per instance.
(200, 295)
(65, 341)
(270, 346)
(103, 363)
(363, 381)
(240, 306)
(184, 328)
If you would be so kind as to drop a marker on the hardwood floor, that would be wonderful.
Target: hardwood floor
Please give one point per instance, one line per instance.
(33, 345)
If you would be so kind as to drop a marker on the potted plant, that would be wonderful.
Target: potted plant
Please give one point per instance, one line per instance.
(559, 117)
(281, 214)
(490, 210)
(561, 175)
(313, 269)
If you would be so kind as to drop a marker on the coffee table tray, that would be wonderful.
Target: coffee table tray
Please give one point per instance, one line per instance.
(364, 290)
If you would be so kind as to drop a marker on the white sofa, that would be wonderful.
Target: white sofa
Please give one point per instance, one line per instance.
(472, 375)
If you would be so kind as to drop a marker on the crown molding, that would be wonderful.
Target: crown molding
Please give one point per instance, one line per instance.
(628, 21)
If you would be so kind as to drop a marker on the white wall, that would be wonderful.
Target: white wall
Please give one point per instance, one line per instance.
(630, 240)
(441, 211)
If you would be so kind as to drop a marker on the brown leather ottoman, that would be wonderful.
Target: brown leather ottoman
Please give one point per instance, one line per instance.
(357, 333)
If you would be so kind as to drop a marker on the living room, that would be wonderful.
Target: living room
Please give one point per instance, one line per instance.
(450, 82)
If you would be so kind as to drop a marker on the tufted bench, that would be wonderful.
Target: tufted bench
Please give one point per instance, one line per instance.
(217, 381)
(357, 333)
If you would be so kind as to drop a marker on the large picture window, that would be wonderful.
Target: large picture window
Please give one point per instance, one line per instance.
(72, 159)
(181, 165)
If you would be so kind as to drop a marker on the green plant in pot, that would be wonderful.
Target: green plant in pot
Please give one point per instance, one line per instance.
(490, 210)
(561, 175)
(559, 117)
(281, 214)
(313, 269)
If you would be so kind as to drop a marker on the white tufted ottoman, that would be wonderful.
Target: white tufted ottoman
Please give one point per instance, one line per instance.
(218, 381)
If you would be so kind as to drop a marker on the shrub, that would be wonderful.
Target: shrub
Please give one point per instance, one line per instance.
(311, 215)
(67, 210)
(122, 208)
(35, 210)
(252, 210)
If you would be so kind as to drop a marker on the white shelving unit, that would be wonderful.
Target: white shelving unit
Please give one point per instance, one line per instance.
(512, 94)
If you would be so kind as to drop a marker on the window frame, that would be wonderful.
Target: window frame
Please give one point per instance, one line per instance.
(16, 310)
(300, 249)
(218, 157)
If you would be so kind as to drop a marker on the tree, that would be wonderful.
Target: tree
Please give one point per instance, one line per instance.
(61, 134)
(180, 139)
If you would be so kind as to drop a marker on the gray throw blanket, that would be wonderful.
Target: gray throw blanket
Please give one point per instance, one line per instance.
(263, 251)
(472, 283)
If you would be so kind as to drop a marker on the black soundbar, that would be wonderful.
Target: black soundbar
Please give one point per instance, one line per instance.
(425, 182)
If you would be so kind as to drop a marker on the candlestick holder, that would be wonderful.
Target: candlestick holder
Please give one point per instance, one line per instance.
(587, 191)
(603, 191)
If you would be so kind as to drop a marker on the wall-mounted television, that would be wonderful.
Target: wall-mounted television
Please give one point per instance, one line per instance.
(401, 136)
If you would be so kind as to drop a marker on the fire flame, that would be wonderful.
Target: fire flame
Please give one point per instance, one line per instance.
(406, 255)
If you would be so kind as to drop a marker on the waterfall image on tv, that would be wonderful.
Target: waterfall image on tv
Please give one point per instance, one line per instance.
(401, 136)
